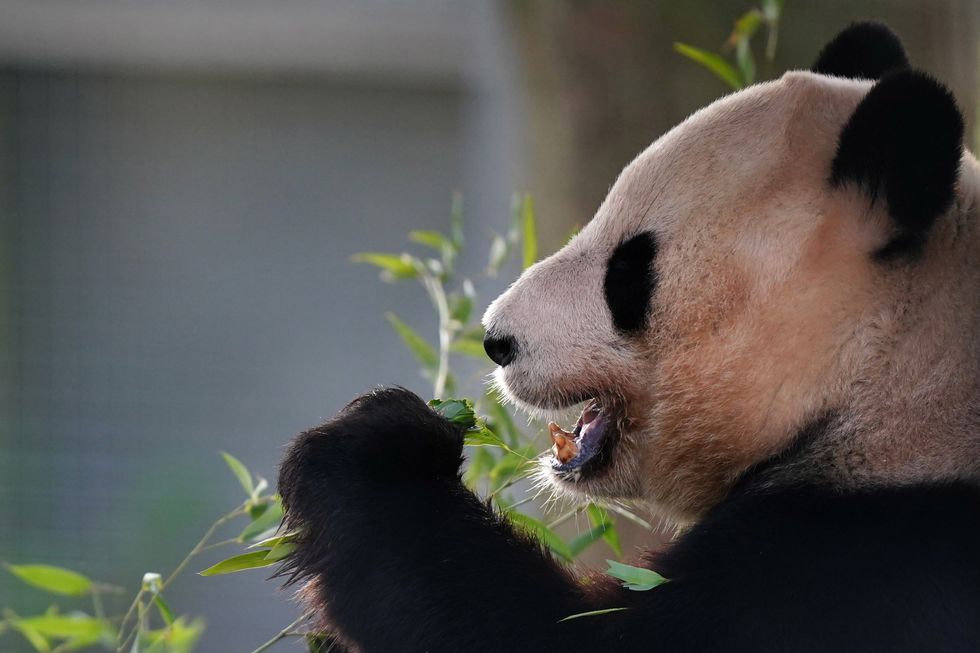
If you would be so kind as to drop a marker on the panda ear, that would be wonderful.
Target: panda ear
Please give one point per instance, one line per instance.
(903, 144)
(862, 51)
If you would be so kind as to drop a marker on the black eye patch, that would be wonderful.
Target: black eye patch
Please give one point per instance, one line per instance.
(630, 280)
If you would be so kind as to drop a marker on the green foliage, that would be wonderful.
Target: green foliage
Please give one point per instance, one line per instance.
(52, 579)
(501, 456)
(637, 579)
(742, 71)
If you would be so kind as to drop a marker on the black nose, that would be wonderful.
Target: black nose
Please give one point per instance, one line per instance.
(500, 349)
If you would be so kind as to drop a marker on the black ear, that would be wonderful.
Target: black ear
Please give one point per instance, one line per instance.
(903, 144)
(862, 51)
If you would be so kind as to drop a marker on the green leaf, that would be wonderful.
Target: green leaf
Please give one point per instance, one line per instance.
(271, 542)
(250, 560)
(481, 461)
(746, 26)
(393, 266)
(502, 420)
(280, 550)
(509, 467)
(319, 643)
(637, 579)
(423, 351)
(457, 411)
(432, 239)
(55, 580)
(37, 641)
(255, 510)
(59, 626)
(581, 542)
(529, 232)
(599, 516)
(271, 518)
(746, 63)
(481, 436)
(178, 637)
(713, 62)
(591, 613)
(469, 347)
(499, 252)
(539, 530)
(460, 307)
(163, 608)
(260, 487)
(240, 471)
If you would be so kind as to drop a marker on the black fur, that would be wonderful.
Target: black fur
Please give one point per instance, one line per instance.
(903, 144)
(629, 283)
(865, 50)
(403, 558)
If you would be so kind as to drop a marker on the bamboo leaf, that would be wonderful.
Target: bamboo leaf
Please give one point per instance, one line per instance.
(49, 578)
(745, 60)
(599, 516)
(539, 530)
(713, 62)
(637, 579)
(746, 26)
(432, 239)
(250, 560)
(457, 411)
(460, 307)
(423, 351)
(581, 542)
(469, 347)
(240, 471)
(280, 550)
(37, 641)
(393, 266)
(271, 542)
(59, 626)
(270, 519)
(499, 251)
(163, 608)
(592, 613)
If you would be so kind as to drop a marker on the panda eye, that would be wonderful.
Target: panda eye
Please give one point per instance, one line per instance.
(629, 283)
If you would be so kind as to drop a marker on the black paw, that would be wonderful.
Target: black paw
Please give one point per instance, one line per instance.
(388, 435)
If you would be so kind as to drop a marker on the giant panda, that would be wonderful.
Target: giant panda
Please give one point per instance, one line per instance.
(773, 325)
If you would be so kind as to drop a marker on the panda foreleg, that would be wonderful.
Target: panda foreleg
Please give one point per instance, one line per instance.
(400, 556)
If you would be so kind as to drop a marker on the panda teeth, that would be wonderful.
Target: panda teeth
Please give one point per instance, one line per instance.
(565, 446)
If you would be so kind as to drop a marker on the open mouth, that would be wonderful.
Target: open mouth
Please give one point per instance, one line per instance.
(588, 446)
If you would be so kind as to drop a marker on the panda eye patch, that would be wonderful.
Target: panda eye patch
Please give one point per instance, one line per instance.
(629, 283)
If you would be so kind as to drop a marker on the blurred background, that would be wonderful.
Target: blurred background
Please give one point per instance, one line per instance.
(182, 184)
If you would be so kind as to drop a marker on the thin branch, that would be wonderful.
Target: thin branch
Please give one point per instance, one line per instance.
(284, 633)
(224, 519)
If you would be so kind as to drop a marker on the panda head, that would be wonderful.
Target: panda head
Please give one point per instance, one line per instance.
(763, 266)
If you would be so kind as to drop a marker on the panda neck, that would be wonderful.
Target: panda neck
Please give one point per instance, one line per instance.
(909, 412)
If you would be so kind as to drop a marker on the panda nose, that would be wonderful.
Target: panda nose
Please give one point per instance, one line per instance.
(500, 349)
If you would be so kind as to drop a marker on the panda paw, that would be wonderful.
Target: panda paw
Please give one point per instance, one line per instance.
(385, 436)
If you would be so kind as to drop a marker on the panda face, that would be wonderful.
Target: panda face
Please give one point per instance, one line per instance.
(724, 294)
